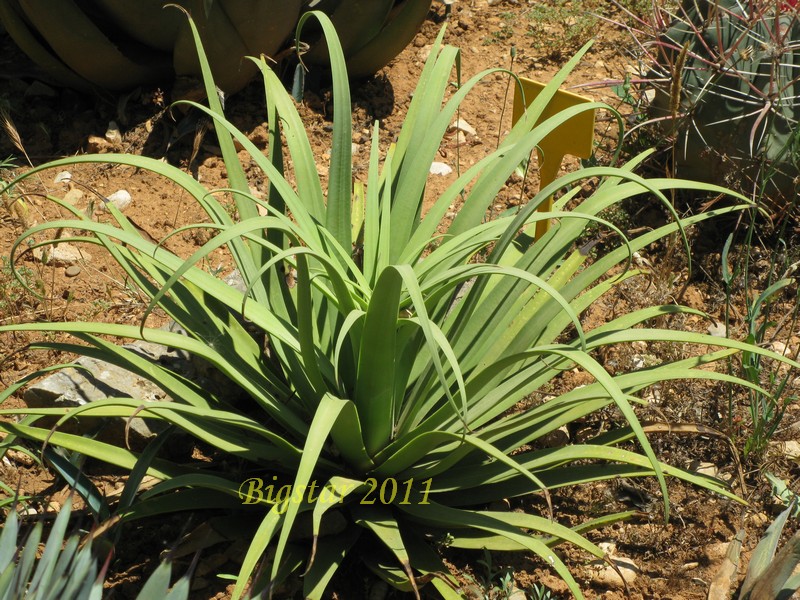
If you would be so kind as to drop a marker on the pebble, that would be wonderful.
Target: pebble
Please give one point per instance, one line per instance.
(607, 576)
(113, 134)
(73, 196)
(97, 145)
(440, 168)
(64, 176)
(789, 449)
(462, 125)
(62, 255)
(72, 271)
(778, 347)
(121, 199)
(704, 468)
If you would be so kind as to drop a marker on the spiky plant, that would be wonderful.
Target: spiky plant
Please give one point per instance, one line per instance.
(386, 401)
(119, 44)
(66, 569)
(727, 79)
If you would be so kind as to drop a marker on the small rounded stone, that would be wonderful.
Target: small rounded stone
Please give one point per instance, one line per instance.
(72, 271)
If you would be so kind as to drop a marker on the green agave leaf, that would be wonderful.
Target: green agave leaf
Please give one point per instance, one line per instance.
(157, 585)
(79, 482)
(340, 177)
(339, 488)
(270, 525)
(442, 516)
(330, 552)
(324, 419)
(762, 559)
(107, 452)
(774, 580)
(27, 558)
(46, 565)
(508, 484)
(380, 521)
(376, 362)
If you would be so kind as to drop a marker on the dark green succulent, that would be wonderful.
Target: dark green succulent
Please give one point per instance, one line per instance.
(727, 76)
(119, 44)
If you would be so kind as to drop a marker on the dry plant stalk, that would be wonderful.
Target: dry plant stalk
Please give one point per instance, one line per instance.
(676, 87)
(16, 207)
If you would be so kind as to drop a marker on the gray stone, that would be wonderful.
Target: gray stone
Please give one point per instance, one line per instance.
(98, 380)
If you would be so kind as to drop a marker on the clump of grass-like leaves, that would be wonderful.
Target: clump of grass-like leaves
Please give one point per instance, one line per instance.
(383, 392)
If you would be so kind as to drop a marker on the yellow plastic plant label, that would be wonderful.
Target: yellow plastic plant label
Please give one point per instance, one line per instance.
(574, 137)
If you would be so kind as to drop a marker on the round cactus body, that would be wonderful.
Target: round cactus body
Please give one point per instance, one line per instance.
(729, 92)
(119, 44)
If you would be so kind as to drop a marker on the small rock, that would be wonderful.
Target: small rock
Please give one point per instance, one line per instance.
(72, 271)
(716, 551)
(73, 196)
(607, 576)
(556, 438)
(778, 348)
(462, 125)
(121, 199)
(424, 52)
(789, 449)
(63, 176)
(642, 261)
(608, 547)
(62, 255)
(256, 193)
(20, 458)
(113, 134)
(97, 145)
(717, 330)
(704, 468)
(440, 168)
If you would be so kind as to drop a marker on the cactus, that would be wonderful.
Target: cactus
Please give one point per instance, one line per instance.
(727, 79)
(119, 44)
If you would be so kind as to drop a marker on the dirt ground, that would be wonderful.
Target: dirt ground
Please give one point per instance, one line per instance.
(675, 560)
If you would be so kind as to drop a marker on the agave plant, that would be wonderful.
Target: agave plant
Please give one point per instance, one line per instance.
(382, 398)
(117, 45)
(66, 569)
(771, 574)
(726, 76)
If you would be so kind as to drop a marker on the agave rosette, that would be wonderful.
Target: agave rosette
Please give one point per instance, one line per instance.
(398, 353)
